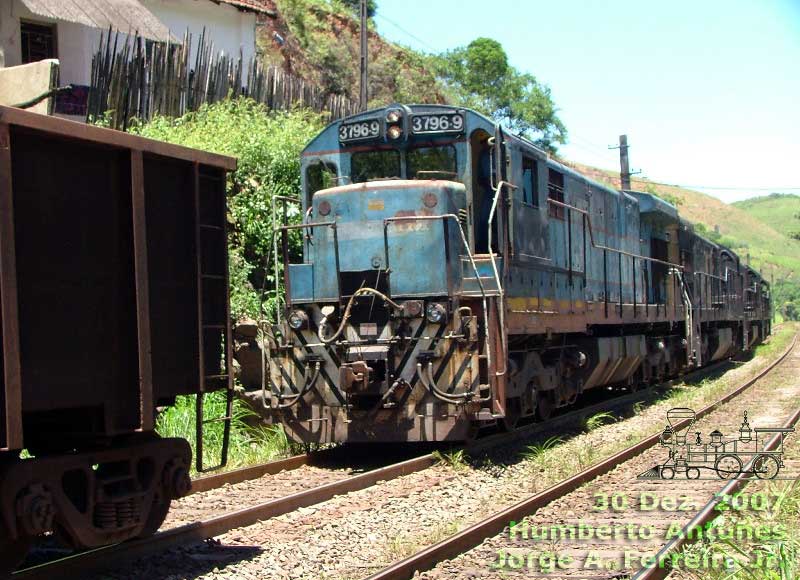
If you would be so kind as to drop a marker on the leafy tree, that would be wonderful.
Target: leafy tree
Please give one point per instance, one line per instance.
(355, 6)
(791, 311)
(479, 76)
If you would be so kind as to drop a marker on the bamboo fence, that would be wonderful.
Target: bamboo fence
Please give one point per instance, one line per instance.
(136, 78)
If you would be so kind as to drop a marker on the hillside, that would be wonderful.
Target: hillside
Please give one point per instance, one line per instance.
(781, 211)
(318, 40)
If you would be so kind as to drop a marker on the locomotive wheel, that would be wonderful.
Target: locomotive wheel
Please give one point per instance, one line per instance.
(692, 473)
(513, 414)
(667, 473)
(544, 405)
(728, 466)
(12, 554)
(766, 467)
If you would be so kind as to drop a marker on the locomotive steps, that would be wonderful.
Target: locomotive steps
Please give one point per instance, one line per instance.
(291, 540)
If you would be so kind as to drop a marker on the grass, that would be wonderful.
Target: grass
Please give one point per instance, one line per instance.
(598, 420)
(402, 547)
(249, 445)
(533, 452)
(455, 460)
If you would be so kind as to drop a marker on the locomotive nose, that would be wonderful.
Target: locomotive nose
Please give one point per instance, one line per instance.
(389, 235)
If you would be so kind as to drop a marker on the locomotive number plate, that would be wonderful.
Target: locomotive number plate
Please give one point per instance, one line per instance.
(359, 130)
(437, 123)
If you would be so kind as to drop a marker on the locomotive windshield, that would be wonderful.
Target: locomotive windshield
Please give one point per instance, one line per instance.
(375, 165)
(431, 162)
(421, 163)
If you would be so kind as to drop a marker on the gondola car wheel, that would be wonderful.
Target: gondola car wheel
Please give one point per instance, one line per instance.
(766, 467)
(156, 517)
(728, 466)
(12, 554)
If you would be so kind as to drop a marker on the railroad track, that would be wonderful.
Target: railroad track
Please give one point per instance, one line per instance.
(94, 560)
(498, 522)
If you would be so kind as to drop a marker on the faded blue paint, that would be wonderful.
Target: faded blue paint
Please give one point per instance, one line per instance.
(417, 252)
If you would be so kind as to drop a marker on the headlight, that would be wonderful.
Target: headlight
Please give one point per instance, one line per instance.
(298, 319)
(435, 313)
(395, 132)
(394, 116)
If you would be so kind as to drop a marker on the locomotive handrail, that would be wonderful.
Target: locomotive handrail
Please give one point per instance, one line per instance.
(308, 225)
(588, 219)
(273, 204)
(502, 308)
(443, 217)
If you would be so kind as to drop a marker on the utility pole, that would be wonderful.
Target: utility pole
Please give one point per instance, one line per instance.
(624, 167)
(364, 96)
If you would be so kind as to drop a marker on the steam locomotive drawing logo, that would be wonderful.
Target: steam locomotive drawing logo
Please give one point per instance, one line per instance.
(753, 451)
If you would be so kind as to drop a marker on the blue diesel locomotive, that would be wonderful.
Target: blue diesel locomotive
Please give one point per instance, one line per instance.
(454, 276)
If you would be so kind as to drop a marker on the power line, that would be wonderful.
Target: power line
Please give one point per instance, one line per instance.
(407, 33)
(723, 187)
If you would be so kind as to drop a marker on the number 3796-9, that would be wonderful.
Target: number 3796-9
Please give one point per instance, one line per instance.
(436, 123)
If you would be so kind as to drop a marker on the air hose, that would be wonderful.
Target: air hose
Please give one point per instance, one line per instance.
(346, 316)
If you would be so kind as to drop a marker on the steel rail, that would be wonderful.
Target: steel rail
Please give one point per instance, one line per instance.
(497, 522)
(209, 482)
(111, 556)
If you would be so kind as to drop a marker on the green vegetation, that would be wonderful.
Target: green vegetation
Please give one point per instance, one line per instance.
(455, 460)
(782, 213)
(479, 76)
(533, 452)
(267, 145)
(322, 46)
(598, 420)
(780, 210)
(249, 445)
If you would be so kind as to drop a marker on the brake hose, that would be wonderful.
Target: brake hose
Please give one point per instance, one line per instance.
(361, 291)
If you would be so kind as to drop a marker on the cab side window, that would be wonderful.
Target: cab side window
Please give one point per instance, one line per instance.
(319, 175)
(555, 191)
(530, 182)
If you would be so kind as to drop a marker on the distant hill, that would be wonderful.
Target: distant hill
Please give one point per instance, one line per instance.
(779, 210)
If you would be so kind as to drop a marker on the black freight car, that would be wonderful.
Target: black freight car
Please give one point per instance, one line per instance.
(114, 292)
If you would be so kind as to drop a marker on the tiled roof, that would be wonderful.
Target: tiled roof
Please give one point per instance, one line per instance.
(259, 6)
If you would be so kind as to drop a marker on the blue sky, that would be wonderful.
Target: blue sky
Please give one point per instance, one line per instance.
(708, 91)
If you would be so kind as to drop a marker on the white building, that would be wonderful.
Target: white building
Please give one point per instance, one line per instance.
(69, 30)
